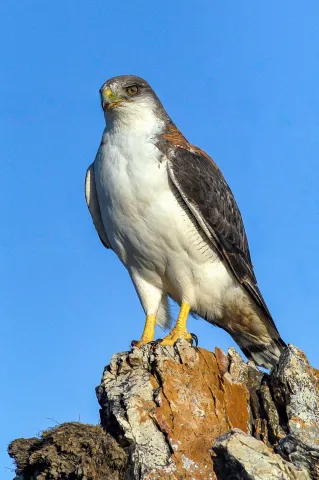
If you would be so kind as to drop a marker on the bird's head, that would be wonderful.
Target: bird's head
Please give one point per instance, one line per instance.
(131, 100)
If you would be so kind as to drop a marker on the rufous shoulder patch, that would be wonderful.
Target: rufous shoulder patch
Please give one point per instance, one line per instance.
(174, 136)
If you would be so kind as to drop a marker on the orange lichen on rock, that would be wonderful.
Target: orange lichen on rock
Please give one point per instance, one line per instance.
(175, 413)
(198, 404)
(187, 398)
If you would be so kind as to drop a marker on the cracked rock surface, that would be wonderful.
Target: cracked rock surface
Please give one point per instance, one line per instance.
(168, 405)
(240, 456)
(295, 386)
(176, 413)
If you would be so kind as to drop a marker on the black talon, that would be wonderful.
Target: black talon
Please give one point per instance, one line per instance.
(194, 339)
(154, 343)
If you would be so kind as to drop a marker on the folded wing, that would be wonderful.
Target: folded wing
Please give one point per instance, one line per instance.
(93, 205)
(210, 200)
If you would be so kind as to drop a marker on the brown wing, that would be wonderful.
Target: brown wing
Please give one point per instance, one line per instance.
(209, 198)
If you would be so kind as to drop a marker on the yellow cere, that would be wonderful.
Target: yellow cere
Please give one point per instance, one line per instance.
(108, 92)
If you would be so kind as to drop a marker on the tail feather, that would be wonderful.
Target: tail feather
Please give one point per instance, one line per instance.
(264, 355)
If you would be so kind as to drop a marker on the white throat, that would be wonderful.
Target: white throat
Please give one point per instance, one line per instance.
(137, 117)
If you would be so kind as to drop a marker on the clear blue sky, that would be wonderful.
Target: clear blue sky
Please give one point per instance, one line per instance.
(241, 80)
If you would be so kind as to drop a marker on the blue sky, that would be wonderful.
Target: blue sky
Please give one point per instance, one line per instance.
(240, 79)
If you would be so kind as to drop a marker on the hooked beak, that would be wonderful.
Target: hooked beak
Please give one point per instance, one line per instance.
(109, 100)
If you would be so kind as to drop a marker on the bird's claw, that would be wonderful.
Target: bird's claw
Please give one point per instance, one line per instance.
(154, 343)
(138, 343)
(194, 340)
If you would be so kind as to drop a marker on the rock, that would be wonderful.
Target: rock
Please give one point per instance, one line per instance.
(163, 409)
(168, 405)
(295, 386)
(70, 451)
(240, 456)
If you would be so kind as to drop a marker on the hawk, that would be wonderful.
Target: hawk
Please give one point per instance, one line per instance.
(163, 206)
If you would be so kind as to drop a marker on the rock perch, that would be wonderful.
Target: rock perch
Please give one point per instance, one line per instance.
(178, 412)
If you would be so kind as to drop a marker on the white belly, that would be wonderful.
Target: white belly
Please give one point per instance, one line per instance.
(152, 233)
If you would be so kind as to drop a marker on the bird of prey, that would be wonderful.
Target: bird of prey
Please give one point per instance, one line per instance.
(163, 206)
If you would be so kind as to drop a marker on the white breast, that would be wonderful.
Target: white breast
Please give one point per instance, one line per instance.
(148, 227)
(132, 185)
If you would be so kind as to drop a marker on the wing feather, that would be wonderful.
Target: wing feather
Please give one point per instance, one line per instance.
(93, 205)
(209, 198)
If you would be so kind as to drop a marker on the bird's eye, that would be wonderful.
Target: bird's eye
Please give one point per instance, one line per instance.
(132, 90)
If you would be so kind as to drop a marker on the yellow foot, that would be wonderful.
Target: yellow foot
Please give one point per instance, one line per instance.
(180, 330)
(172, 338)
(148, 334)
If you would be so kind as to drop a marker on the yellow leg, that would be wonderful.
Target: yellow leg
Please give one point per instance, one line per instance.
(180, 330)
(149, 331)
